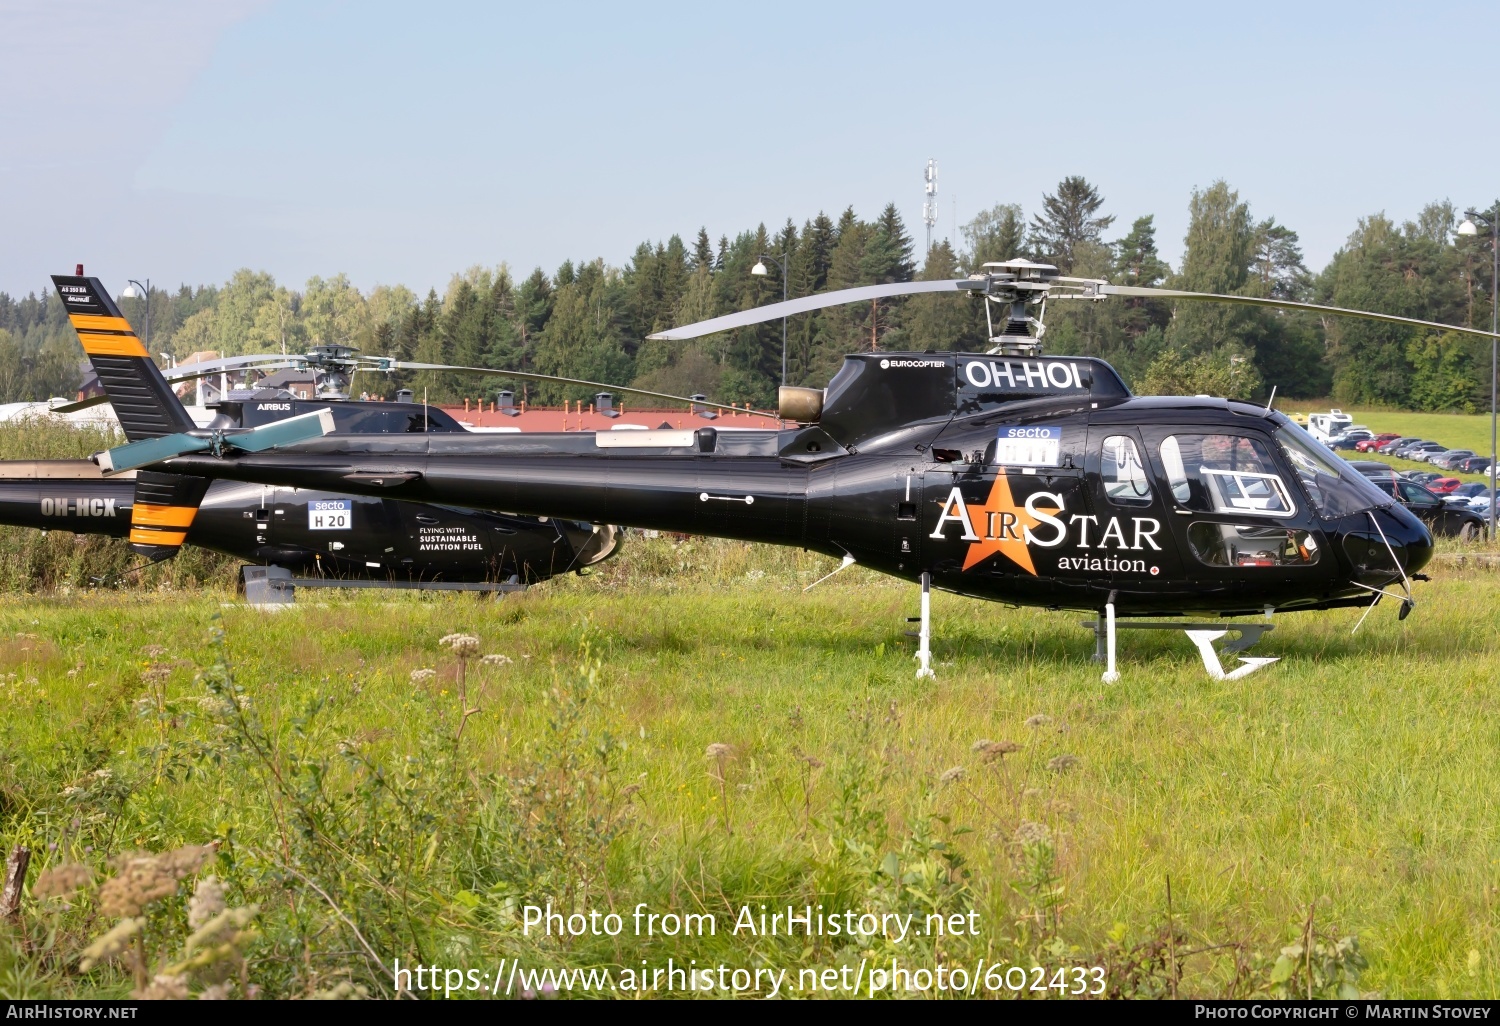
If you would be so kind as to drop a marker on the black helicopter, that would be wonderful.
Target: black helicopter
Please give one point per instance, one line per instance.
(1008, 475)
(341, 535)
(332, 534)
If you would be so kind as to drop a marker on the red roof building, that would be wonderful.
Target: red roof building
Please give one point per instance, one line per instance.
(578, 416)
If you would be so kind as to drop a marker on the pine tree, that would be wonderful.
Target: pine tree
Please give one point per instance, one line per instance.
(1138, 264)
(1068, 218)
(818, 239)
(583, 338)
(942, 321)
(703, 253)
(888, 251)
(1277, 262)
(847, 328)
(850, 237)
(534, 304)
(1137, 260)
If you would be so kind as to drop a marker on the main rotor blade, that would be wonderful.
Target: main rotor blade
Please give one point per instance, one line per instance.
(175, 376)
(214, 366)
(776, 311)
(1286, 304)
(82, 404)
(528, 376)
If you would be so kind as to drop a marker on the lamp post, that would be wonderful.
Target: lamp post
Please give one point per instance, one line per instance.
(1492, 222)
(135, 290)
(759, 270)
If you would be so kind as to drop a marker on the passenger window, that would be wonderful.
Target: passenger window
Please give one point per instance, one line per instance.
(1124, 475)
(1225, 474)
(1251, 545)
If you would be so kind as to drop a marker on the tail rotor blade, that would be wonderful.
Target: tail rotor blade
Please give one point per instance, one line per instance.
(152, 450)
(301, 428)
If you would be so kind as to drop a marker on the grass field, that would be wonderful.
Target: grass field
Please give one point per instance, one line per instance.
(688, 730)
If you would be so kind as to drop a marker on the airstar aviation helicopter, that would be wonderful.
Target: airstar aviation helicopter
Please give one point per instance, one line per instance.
(1007, 475)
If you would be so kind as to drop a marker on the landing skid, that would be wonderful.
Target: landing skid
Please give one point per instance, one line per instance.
(1203, 635)
(273, 587)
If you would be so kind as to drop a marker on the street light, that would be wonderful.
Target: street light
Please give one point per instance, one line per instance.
(760, 271)
(1468, 228)
(135, 290)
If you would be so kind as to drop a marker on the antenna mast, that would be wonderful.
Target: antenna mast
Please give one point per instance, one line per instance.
(929, 206)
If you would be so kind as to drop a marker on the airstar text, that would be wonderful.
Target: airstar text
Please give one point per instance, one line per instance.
(1004, 524)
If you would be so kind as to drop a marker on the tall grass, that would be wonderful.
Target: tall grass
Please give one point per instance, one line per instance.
(686, 728)
(32, 560)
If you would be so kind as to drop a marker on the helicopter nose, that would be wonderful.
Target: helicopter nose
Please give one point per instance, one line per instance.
(1407, 535)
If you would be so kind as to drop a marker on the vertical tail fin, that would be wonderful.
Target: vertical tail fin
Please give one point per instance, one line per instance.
(144, 402)
(165, 505)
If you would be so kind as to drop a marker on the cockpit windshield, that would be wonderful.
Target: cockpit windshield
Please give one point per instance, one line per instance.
(1336, 489)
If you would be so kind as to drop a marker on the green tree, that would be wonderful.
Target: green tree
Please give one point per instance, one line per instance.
(278, 326)
(1412, 271)
(333, 311)
(703, 252)
(12, 369)
(995, 235)
(1216, 259)
(1226, 372)
(583, 337)
(1450, 372)
(942, 321)
(1069, 218)
(1276, 261)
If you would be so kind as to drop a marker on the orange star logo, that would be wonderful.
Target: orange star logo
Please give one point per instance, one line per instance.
(1000, 524)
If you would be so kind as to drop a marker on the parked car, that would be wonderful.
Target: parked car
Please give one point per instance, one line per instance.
(1443, 485)
(1382, 474)
(1474, 465)
(1372, 444)
(1470, 490)
(1421, 452)
(1447, 460)
(1349, 439)
(1421, 477)
(1444, 519)
(1389, 448)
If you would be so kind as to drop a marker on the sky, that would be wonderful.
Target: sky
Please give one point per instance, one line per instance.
(401, 143)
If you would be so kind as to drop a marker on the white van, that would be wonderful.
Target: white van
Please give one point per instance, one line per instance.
(1327, 426)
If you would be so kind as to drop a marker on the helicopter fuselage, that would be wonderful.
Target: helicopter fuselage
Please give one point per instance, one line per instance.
(341, 533)
(1031, 481)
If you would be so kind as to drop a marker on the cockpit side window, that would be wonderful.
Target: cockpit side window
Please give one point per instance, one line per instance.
(1123, 472)
(1335, 488)
(1225, 474)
